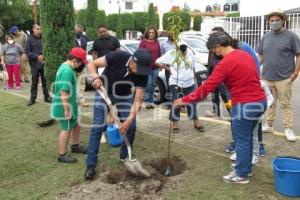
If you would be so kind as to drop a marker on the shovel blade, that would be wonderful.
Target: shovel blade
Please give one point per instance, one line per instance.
(135, 168)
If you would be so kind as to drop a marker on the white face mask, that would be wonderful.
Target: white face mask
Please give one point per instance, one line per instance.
(10, 41)
(276, 26)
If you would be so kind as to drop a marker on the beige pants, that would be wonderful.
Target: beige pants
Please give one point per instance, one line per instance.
(81, 86)
(282, 91)
(25, 69)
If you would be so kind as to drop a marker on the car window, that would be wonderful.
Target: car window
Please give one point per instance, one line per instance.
(132, 47)
(196, 44)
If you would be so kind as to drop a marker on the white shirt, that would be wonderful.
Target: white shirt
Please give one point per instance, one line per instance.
(185, 74)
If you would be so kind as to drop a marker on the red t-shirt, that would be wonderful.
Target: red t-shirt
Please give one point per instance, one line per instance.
(154, 48)
(238, 71)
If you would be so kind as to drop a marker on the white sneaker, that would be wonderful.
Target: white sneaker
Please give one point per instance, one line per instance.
(103, 139)
(233, 157)
(254, 159)
(232, 177)
(267, 129)
(290, 135)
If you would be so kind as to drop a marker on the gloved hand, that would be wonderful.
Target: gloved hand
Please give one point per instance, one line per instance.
(228, 105)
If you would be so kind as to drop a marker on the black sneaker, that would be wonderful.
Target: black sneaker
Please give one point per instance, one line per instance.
(31, 102)
(79, 149)
(48, 100)
(66, 159)
(89, 173)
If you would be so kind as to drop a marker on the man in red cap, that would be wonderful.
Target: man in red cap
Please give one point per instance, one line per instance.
(64, 105)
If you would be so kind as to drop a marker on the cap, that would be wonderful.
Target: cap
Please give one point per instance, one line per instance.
(79, 53)
(13, 29)
(143, 59)
(277, 13)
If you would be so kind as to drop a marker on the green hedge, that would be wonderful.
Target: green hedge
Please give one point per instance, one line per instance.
(57, 21)
(139, 19)
(91, 18)
(197, 23)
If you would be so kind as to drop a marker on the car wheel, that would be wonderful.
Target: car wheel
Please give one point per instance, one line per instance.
(159, 92)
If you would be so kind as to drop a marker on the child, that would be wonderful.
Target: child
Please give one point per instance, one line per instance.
(64, 105)
(11, 54)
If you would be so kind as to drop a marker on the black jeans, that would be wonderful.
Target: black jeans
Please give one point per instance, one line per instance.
(37, 70)
(223, 92)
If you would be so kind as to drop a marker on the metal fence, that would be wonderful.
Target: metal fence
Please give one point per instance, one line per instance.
(248, 29)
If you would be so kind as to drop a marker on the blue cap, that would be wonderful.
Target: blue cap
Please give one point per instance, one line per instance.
(13, 29)
(143, 59)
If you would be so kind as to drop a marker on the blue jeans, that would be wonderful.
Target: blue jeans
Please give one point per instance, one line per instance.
(244, 119)
(99, 125)
(150, 86)
(191, 108)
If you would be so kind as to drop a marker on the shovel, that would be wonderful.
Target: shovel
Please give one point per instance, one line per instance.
(132, 165)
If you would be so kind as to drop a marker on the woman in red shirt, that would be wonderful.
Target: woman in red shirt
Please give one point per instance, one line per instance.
(150, 43)
(237, 70)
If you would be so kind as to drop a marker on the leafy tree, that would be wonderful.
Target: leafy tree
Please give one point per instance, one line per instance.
(197, 23)
(139, 19)
(112, 21)
(91, 18)
(152, 19)
(127, 21)
(14, 13)
(119, 33)
(184, 16)
(57, 21)
(81, 17)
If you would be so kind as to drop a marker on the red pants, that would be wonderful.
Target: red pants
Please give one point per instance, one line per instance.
(13, 71)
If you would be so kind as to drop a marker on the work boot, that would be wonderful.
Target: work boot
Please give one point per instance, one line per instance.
(77, 148)
(89, 173)
(48, 99)
(66, 159)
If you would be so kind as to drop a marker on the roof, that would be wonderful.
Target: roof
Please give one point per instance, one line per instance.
(294, 10)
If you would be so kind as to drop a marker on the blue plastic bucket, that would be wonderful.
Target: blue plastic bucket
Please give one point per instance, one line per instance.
(287, 176)
(113, 135)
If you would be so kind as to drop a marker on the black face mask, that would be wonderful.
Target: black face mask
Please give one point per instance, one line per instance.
(78, 35)
(219, 57)
(183, 48)
(80, 68)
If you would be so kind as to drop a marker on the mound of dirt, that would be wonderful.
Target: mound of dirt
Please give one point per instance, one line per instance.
(118, 184)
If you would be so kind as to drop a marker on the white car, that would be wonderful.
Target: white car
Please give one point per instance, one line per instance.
(161, 85)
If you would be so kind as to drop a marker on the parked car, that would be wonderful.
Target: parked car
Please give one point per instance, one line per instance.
(161, 84)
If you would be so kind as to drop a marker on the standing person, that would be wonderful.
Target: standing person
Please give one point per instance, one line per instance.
(34, 51)
(20, 38)
(240, 76)
(11, 56)
(105, 43)
(122, 71)
(182, 82)
(81, 41)
(166, 46)
(64, 106)
(152, 45)
(277, 51)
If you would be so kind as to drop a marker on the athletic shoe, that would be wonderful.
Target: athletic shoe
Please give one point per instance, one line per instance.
(230, 148)
(233, 157)
(79, 149)
(267, 129)
(66, 159)
(290, 135)
(261, 151)
(232, 177)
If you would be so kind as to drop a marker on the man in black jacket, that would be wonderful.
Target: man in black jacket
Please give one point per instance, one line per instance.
(34, 51)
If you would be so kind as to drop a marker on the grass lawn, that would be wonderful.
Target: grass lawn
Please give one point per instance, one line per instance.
(28, 167)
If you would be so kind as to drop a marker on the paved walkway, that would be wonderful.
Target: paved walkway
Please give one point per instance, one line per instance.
(216, 136)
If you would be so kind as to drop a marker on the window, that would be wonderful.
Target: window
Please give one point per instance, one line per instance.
(128, 5)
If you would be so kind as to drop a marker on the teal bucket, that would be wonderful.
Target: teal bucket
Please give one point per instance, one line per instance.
(287, 176)
(114, 137)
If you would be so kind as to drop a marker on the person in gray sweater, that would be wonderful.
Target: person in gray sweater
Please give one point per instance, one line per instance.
(11, 54)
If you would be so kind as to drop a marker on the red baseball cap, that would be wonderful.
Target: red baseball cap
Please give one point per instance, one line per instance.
(79, 53)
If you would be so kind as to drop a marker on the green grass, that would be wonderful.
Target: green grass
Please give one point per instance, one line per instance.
(29, 169)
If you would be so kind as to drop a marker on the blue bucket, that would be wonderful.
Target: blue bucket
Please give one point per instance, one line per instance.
(287, 176)
(114, 137)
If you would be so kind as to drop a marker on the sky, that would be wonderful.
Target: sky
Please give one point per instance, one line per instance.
(193, 4)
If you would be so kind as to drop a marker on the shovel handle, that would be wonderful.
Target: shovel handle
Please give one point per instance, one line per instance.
(113, 110)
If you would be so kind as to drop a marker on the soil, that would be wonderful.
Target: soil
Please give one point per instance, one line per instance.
(118, 184)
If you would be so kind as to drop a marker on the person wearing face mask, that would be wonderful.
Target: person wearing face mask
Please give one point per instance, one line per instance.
(240, 76)
(277, 51)
(34, 51)
(64, 107)
(81, 41)
(11, 56)
(182, 81)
